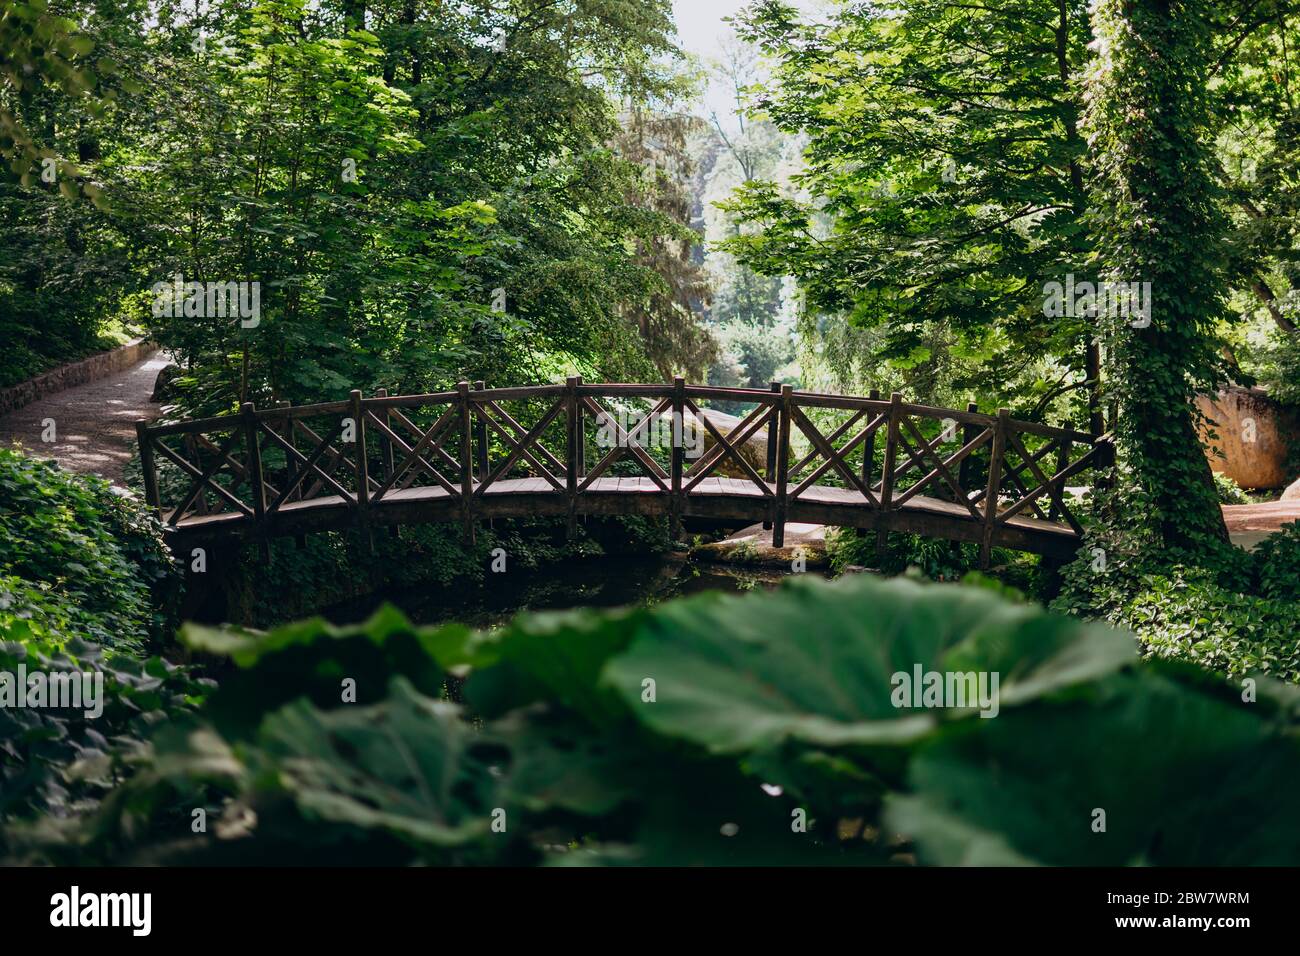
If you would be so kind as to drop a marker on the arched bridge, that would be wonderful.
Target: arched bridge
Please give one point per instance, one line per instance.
(617, 449)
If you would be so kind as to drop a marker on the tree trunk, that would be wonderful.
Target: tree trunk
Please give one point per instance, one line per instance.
(1157, 223)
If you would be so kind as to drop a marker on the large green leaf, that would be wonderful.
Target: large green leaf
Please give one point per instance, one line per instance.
(312, 659)
(814, 661)
(553, 655)
(403, 768)
(1184, 777)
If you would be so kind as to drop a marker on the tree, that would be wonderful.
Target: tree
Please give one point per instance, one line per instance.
(1157, 221)
(667, 316)
(945, 185)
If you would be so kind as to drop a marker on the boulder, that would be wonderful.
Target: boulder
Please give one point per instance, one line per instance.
(1254, 433)
(752, 547)
(694, 432)
(1292, 492)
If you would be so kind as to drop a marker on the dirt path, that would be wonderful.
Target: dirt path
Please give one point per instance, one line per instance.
(94, 424)
(1248, 525)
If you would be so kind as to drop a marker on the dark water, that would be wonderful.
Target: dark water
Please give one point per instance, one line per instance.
(596, 582)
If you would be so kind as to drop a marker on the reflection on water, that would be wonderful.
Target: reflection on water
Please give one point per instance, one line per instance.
(596, 582)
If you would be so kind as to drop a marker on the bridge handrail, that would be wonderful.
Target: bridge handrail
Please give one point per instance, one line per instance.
(408, 451)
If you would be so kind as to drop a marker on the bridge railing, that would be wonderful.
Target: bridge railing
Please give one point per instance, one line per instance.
(359, 455)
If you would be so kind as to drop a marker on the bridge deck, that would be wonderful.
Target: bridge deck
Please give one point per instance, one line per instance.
(715, 497)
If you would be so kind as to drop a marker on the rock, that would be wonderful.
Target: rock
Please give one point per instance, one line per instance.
(1292, 492)
(752, 547)
(754, 451)
(1254, 434)
(164, 389)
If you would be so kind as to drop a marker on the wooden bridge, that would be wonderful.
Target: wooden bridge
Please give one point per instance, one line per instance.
(580, 449)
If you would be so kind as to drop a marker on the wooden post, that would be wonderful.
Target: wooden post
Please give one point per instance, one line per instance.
(1062, 462)
(968, 434)
(254, 466)
(772, 437)
(582, 434)
(782, 468)
(466, 463)
(148, 466)
(869, 446)
(481, 442)
(677, 466)
(572, 452)
(993, 487)
(386, 456)
(887, 477)
(363, 471)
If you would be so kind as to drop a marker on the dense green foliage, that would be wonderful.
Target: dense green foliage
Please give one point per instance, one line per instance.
(550, 747)
(1240, 616)
(422, 193)
(944, 194)
(77, 559)
(940, 191)
(86, 585)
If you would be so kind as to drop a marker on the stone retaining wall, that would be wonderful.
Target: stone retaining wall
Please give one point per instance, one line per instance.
(75, 373)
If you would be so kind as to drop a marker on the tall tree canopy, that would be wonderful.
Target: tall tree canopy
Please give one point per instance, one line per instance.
(423, 191)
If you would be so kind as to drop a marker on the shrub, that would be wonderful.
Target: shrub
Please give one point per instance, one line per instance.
(1230, 493)
(705, 731)
(1220, 618)
(932, 558)
(96, 556)
(1278, 559)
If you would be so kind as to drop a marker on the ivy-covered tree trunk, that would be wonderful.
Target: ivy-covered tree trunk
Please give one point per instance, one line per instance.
(1156, 223)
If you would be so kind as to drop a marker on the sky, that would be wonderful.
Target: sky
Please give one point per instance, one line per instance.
(700, 26)
(699, 22)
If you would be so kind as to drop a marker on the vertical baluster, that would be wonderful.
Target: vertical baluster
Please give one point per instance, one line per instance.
(466, 462)
(887, 475)
(869, 446)
(968, 433)
(253, 464)
(387, 458)
(582, 434)
(677, 504)
(480, 441)
(993, 487)
(148, 466)
(773, 427)
(573, 424)
(782, 468)
(362, 471)
(1062, 463)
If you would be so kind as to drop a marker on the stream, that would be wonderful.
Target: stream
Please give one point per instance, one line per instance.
(595, 582)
